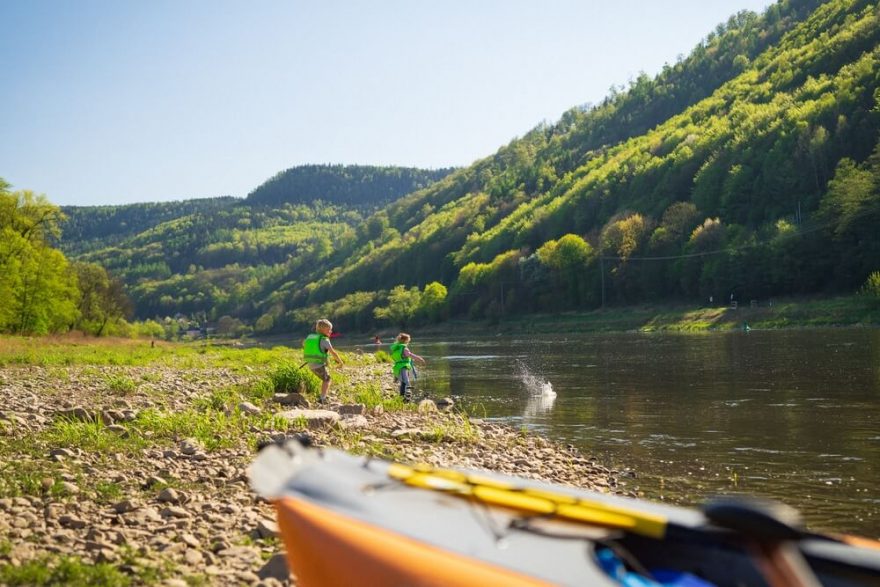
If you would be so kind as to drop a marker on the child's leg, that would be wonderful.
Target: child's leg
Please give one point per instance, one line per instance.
(405, 389)
(324, 375)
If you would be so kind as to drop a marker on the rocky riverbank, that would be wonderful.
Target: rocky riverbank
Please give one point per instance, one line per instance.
(141, 471)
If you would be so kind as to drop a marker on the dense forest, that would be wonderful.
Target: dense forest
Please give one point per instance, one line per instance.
(358, 186)
(749, 169)
(739, 193)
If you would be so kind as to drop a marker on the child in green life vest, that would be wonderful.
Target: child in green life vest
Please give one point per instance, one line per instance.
(403, 364)
(316, 351)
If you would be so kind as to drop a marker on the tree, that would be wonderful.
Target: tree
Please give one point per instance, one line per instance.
(402, 305)
(102, 299)
(433, 301)
(37, 286)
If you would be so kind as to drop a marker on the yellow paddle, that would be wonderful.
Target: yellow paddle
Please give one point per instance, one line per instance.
(537, 501)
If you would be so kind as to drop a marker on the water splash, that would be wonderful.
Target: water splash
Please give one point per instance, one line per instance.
(535, 385)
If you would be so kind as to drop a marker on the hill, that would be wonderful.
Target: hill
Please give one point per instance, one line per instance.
(351, 185)
(746, 189)
(223, 255)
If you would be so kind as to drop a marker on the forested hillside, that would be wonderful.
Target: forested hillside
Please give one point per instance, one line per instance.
(352, 185)
(222, 256)
(749, 169)
(90, 227)
(747, 191)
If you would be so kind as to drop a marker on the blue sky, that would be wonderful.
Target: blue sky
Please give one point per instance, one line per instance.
(110, 102)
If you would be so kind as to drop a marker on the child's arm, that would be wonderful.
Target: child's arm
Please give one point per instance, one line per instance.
(409, 353)
(333, 352)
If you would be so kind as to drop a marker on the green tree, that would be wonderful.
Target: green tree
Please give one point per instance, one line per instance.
(36, 282)
(432, 303)
(102, 299)
(402, 306)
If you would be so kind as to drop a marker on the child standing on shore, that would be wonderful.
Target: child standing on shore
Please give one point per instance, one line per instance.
(316, 351)
(403, 364)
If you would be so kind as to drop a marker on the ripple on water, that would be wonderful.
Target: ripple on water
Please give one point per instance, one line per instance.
(751, 449)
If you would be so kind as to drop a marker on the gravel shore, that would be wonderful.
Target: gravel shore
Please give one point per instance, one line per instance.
(173, 511)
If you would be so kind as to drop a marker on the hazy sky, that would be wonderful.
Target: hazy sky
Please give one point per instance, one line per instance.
(116, 101)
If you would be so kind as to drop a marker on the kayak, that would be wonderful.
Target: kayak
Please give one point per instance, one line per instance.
(351, 520)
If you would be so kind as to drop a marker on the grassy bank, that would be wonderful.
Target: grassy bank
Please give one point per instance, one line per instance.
(785, 313)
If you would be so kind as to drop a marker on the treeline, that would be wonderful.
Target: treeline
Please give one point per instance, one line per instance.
(91, 227)
(361, 186)
(42, 291)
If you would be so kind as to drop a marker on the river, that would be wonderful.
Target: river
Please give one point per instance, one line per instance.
(788, 414)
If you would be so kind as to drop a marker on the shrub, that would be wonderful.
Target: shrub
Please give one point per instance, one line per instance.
(872, 286)
(288, 379)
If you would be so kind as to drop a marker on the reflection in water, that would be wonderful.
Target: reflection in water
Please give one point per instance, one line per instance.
(538, 405)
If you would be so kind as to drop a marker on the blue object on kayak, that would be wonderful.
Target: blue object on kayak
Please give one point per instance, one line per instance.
(614, 567)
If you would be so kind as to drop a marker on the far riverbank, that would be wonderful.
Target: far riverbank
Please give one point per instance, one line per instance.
(762, 314)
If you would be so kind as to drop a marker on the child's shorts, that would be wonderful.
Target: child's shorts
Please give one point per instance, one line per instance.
(321, 371)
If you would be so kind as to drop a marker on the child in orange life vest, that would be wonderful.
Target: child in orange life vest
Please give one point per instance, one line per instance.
(403, 364)
(316, 348)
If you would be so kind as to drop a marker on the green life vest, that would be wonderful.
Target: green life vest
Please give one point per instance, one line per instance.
(400, 362)
(312, 352)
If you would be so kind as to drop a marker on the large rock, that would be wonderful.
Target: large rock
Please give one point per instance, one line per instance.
(445, 403)
(275, 568)
(352, 422)
(190, 446)
(267, 529)
(292, 399)
(352, 409)
(248, 408)
(313, 418)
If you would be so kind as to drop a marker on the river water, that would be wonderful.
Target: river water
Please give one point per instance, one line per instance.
(788, 414)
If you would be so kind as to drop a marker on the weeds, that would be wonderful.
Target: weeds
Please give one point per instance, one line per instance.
(92, 436)
(289, 379)
(63, 570)
(120, 383)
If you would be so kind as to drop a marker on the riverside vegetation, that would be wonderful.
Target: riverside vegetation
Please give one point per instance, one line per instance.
(124, 463)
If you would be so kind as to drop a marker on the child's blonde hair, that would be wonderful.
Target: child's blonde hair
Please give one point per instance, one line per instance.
(403, 337)
(323, 323)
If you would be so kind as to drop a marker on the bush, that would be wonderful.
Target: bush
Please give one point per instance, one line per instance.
(872, 286)
(290, 379)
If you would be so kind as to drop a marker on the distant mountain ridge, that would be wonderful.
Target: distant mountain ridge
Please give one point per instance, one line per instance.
(351, 185)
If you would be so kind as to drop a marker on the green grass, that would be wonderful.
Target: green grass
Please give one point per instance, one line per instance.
(288, 378)
(120, 383)
(25, 478)
(456, 429)
(63, 570)
(109, 492)
(92, 437)
(861, 310)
